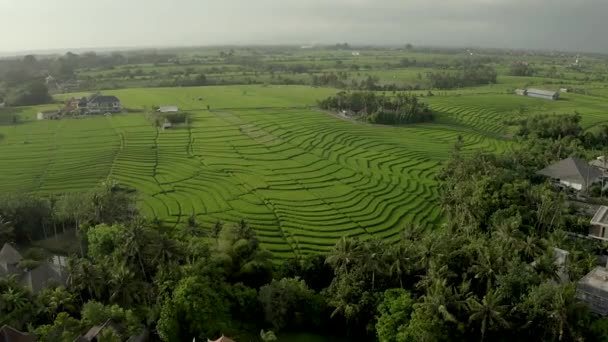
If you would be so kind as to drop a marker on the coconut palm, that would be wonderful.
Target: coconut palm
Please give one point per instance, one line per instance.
(401, 257)
(486, 268)
(7, 232)
(13, 299)
(374, 258)
(488, 312)
(435, 301)
(343, 254)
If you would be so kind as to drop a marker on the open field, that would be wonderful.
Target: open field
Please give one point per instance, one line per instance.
(301, 177)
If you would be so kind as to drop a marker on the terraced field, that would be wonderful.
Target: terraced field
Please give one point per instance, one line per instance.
(302, 178)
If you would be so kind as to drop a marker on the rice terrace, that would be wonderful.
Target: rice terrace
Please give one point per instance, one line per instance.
(301, 176)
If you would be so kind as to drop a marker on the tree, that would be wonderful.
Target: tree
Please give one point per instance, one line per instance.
(7, 231)
(374, 260)
(395, 312)
(197, 308)
(63, 329)
(488, 312)
(57, 300)
(344, 254)
(33, 93)
(285, 300)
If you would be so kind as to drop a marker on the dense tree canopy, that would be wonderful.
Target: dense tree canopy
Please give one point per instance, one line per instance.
(381, 109)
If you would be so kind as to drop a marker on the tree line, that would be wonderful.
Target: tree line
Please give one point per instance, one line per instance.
(381, 109)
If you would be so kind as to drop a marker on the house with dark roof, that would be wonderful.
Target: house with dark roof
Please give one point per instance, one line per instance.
(37, 279)
(9, 260)
(542, 94)
(92, 334)
(10, 334)
(99, 104)
(572, 172)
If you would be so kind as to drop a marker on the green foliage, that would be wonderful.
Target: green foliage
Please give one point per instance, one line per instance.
(33, 93)
(400, 109)
(288, 303)
(471, 76)
(94, 313)
(521, 68)
(395, 312)
(196, 308)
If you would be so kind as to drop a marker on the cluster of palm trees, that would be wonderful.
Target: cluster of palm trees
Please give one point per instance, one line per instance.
(502, 283)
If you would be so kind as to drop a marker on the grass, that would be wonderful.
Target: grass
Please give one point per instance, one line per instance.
(301, 177)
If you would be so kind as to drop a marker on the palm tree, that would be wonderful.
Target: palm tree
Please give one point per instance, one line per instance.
(7, 232)
(402, 261)
(13, 299)
(343, 254)
(124, 288)
(55, 301)
(435, 301)
(485, 268)
(488, 311)
(135, 243)
(167, 249)
(530, 247)
(374, 258)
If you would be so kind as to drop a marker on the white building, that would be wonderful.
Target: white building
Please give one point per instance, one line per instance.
(168, 109)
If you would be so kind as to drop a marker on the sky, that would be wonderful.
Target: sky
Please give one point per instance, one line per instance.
(569, 25)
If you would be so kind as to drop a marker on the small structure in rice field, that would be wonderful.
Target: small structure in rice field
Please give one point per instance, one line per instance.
(543, 94)
(168, 109)
(48, 115)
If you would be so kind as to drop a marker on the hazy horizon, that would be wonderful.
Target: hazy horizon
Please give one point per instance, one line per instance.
(130, 24)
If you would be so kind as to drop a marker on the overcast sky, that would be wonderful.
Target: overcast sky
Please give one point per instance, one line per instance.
(543, 24)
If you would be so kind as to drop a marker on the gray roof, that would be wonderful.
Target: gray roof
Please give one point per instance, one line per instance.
(573, 170)
(542, 92)
(10, 334)
(103, 99)
(43, 276)
(601, 216)
(9, 255)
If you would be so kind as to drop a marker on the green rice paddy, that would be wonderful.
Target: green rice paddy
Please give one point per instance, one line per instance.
(301, 178)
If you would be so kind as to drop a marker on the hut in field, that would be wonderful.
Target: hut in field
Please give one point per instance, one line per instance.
(542, 94)
(520, 92)
(168, 109)
(48, 115)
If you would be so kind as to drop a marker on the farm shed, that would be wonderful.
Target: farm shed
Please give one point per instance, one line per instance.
(543, 94)
(593, 290)
(599, 224)
(574, 173)
(520, 92)
(168, 109)
(48, 115)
